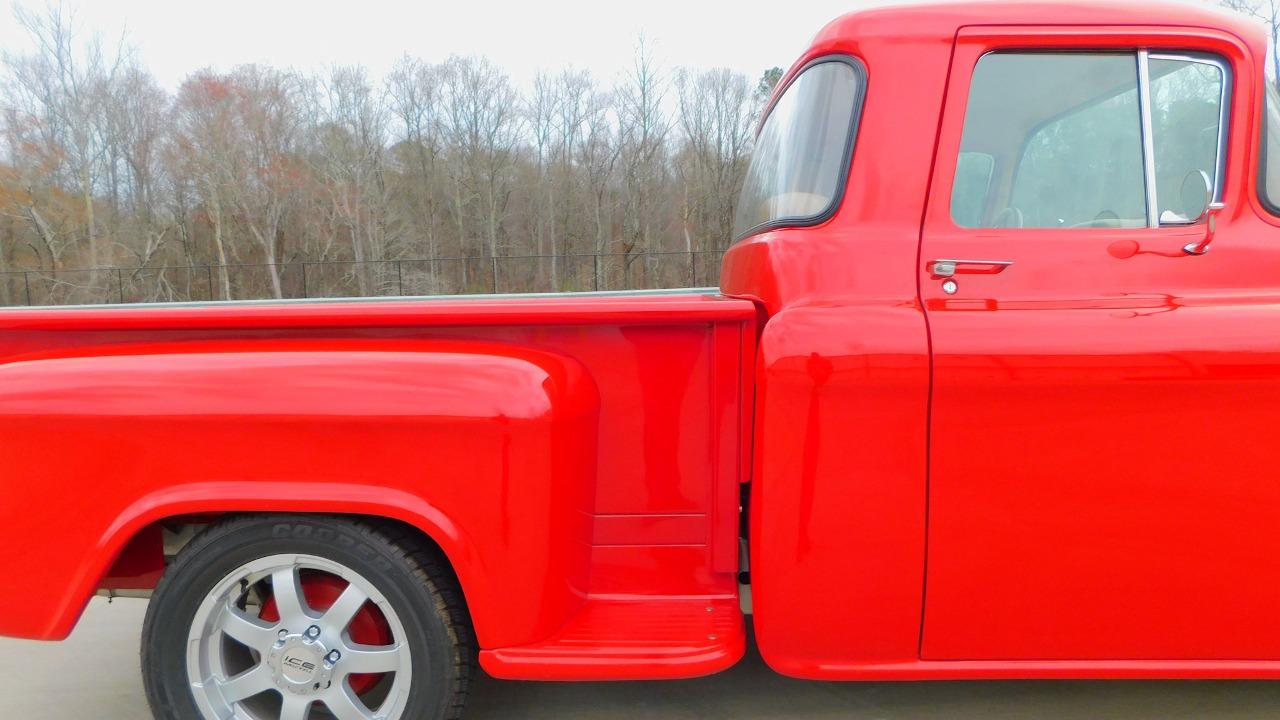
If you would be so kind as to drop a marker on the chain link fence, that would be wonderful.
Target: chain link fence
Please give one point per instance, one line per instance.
(374, 278)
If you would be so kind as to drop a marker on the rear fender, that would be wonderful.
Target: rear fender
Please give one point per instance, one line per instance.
(487, 449)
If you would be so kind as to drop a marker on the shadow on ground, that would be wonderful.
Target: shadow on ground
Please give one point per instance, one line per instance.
(94, 674)
(752, 690)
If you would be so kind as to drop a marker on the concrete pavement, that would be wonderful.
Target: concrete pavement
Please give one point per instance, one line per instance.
(94, 676)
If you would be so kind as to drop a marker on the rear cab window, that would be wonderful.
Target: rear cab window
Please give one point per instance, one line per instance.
(1269, 182)
(802, 154)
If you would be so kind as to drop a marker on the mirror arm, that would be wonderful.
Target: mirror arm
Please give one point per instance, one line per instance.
(1201, 246)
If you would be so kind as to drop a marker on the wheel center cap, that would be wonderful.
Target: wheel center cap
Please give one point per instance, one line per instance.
(298, 665)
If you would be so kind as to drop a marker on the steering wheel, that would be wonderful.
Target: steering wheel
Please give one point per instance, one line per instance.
(1010, 217)
(1104, 219)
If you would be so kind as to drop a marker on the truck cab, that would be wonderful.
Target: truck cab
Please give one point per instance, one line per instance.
(1014, 398)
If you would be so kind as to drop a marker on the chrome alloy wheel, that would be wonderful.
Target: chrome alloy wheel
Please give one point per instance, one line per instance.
(258, 650)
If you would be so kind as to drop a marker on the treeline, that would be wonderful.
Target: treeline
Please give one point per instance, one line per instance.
(442, 177)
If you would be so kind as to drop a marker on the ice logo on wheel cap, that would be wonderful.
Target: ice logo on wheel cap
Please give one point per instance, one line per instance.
(293, 662)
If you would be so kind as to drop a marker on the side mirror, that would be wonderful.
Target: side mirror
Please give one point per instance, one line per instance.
(1196, 195)
(1210, 218)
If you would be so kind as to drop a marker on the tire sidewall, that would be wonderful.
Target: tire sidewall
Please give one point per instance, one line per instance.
(211, 557)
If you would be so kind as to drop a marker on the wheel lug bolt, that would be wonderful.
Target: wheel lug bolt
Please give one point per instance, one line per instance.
(313, 632)
(332, 658)
(283, 634)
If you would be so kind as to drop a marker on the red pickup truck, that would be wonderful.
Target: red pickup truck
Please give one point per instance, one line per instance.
(990, 390)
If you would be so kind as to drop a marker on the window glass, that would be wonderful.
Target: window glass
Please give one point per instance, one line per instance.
(973, 183)
(1186, 110)
(1066, 131)
(801, 152)
(1270, 185)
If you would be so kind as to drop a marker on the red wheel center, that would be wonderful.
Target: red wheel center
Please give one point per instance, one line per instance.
(368, 627)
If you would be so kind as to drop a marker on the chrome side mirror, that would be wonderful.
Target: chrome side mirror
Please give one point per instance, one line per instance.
(1210, 217)
(1196, 196)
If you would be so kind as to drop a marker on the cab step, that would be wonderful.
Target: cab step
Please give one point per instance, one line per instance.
(631, 639)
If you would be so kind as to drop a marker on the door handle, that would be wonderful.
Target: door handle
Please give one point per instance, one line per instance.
(947, 268)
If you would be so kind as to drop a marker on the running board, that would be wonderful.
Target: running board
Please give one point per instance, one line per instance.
(632, 639)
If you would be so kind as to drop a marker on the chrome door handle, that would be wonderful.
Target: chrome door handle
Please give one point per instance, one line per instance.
(947, 268)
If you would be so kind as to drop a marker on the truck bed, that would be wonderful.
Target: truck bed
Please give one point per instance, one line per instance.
(113, 419)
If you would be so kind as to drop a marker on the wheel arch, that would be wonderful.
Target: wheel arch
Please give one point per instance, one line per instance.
(219, 500)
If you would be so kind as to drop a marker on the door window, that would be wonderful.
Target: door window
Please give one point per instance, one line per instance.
(1089, 140)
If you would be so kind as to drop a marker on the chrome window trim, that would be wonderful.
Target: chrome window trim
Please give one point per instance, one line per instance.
(1148, 139)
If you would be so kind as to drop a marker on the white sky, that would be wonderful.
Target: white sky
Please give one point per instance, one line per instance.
(174, 37)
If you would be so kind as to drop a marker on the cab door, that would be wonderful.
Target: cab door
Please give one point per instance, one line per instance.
(1105, 408)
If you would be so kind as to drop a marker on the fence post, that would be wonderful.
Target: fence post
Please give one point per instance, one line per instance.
(208, 270)
(26, 283)
(304, 280)
(595, 262)
(494, 260)
(120, 284)
(400, 278)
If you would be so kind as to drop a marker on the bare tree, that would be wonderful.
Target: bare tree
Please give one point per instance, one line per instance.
(643, 128)
(562, 104)
(134, 128)
(1268, 11)
(58, 94)
(348, 154)
(598, 149)
(203, 136)
(716, 114)
(263, 178)
(483, 125)
(540, 118)
(415, 92)
(262, 183)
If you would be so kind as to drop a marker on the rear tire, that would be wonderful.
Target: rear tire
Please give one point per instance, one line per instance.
(233, 630)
